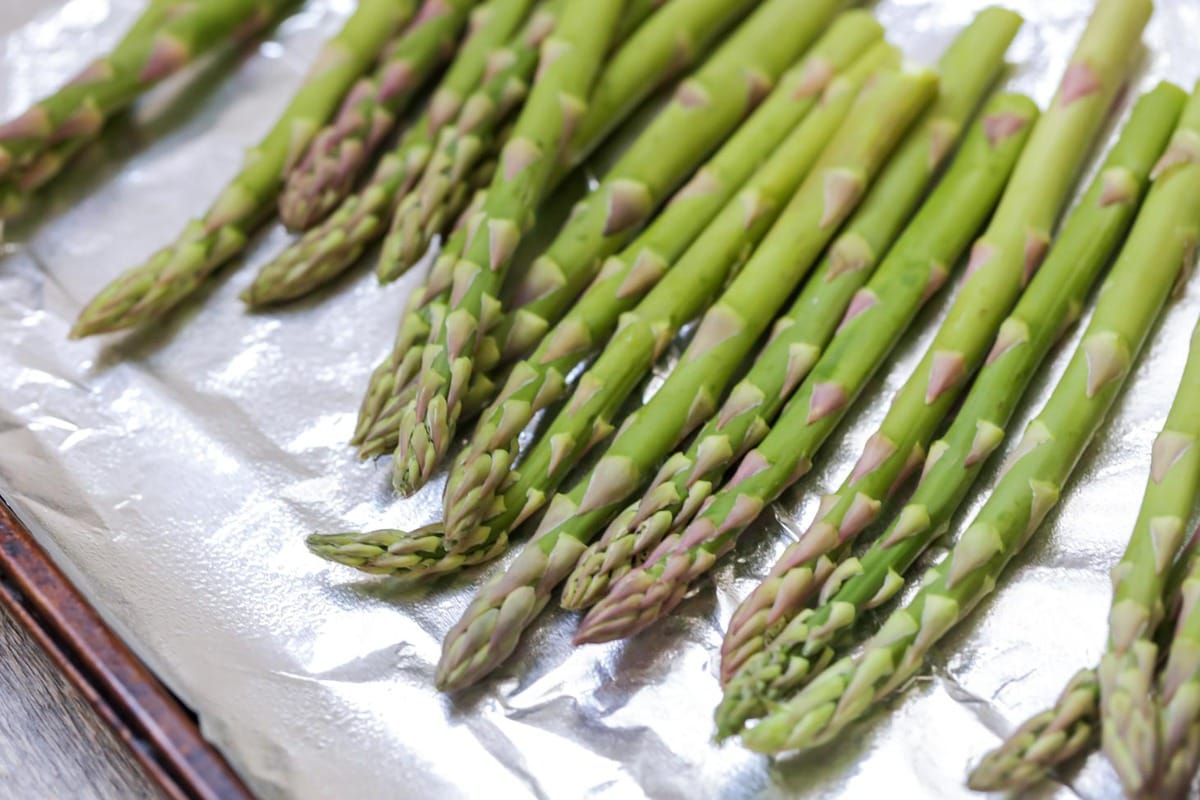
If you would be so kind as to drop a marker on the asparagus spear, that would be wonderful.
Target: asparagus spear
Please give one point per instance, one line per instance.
(167, 38)
(1128, 708)
(1052, 301)
(606, 219)
(335, 245)
(18, 183)
(969, 67)
(147, 292)
(764, 45)
(1046, 740)
(338, 154)
(668, 42)
(1179, 681)
(1002, 262)
(489, 629)
(570, 60)
(692, 282)
(1158, 250)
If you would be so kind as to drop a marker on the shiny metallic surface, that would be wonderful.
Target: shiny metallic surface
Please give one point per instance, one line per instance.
(174, 474)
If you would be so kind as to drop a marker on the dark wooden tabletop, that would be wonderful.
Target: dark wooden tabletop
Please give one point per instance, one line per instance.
(52, 744)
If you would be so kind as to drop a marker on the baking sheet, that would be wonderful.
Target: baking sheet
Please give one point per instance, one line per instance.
(174, 476)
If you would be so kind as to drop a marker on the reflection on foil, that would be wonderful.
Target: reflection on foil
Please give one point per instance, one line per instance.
(174, 475)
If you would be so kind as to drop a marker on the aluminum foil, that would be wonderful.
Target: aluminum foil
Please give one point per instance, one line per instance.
(174, 474)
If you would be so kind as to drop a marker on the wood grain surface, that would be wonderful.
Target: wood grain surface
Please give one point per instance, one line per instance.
(52, 744)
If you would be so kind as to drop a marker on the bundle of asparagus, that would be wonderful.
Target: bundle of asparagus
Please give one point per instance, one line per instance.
(1159, 249)
(1048, 306)
(169, 34)
(1002, 261)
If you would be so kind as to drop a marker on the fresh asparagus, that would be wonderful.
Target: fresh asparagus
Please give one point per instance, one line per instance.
(1052, 301)
(772, 38)
(714, 254)
(1002, 262)
(18, 184)
(338, 154)
(335, 245)
(1179, 681)
(169, 36)
(607, 218)
(148, 292)
(482, 471)
(1129, 713)
(969, 66)
(668, 42)
(1045, 741)
(656, 588)
(489, 629)
(1159, 249)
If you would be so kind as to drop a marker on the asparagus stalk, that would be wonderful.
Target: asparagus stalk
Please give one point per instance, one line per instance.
(1046, 740)
(169, 36)
(1158, 250)
(760, 49)
(1002, 262)
(607, 219)
(570, 60)
(864, 142)
(148, 292)
(1128, 708)
(338, 154)
(489, 629)
(335, 245)
(1051, 303)
(1179, 681)
(969, 67)
(692, 282)
(18, 183)
(668, 42)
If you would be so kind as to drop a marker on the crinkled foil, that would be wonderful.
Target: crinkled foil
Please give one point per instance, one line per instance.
(174, 474)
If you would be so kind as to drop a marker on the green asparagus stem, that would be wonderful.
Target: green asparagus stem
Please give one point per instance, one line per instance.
(148, 292)
(327, 173)
(1179, 681)
(1050, 304)
(1158, 250)
(335, 245)
(1046, 740)
(489, 629)
(665, 44)
(168, 37)
(483, 470)
(1129, 712)
(1002, 263)
(607, 219)
(969, 66)
(704, 111)
(19, 183)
